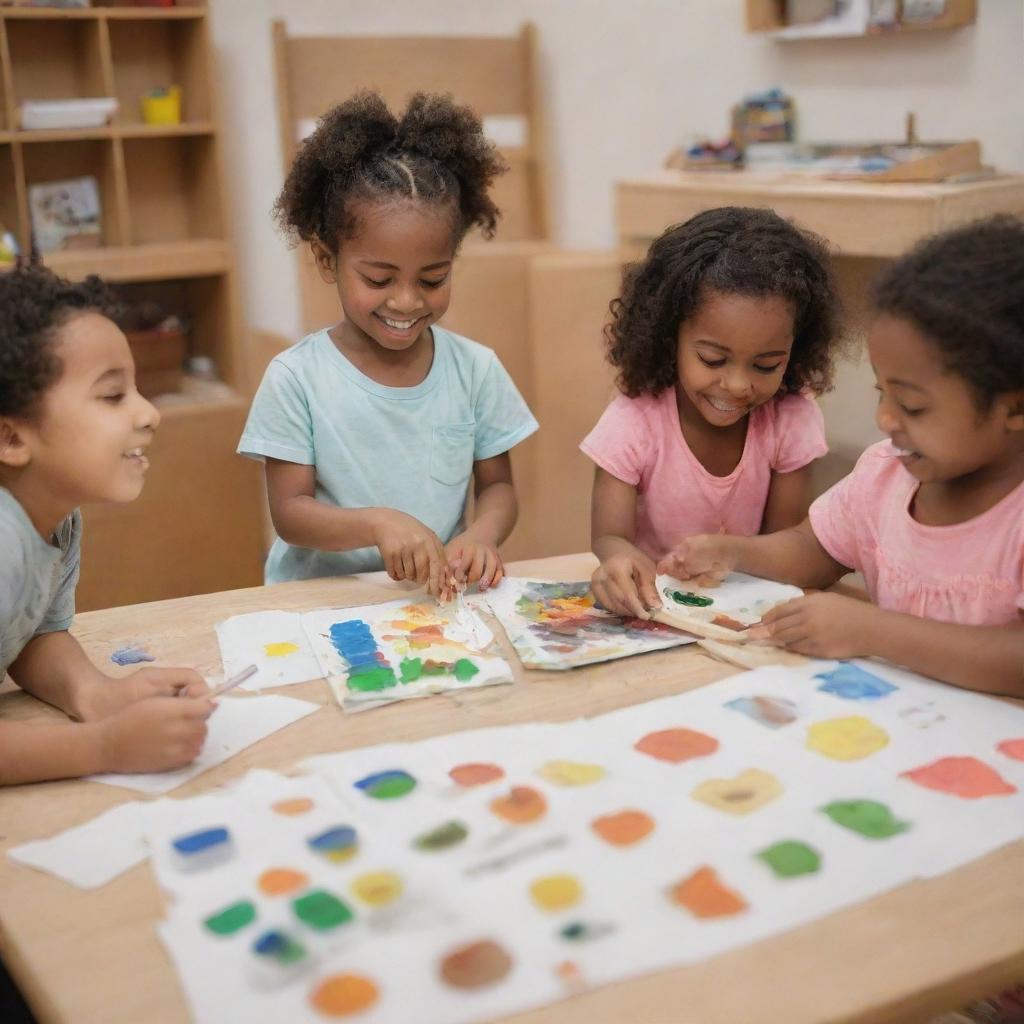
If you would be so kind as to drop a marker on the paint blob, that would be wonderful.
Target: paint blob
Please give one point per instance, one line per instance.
(868, 817)
(476, 965)
(847, 739)
(705, 896)
(281, 649)
(791, 858)
(475, 774)
(321, 910)
(294, 807)
(747, 792)
(132, 654)
(586, 931)
(851, 682)
(378, 888)
(1012, 748)
(279, 947)
(922, 716)
(965, 777)
(232, 918)
(387, 785)
(556, 892)
(571, 773)
(368, 668)
(624, 828)
(688, 598)
(207, 848)
(282, 881)
(451, 833)
(771, 712)
(342, 995)
(676, 745)
(336, 844)
(520, 805)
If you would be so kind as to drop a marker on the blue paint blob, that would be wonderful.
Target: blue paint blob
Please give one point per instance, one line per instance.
(199, 842)
(355, 643)
(131, 655)
(851, 682)
(336, 844)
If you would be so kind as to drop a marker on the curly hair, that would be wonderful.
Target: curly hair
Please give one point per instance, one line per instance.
(435, 152)
(34, 304)
(964, 290)
(731, 249)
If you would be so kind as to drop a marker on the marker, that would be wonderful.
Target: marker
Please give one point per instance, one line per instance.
(228, 684)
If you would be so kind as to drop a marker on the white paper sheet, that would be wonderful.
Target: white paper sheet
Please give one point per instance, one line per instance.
(273, 641)
(237, 723)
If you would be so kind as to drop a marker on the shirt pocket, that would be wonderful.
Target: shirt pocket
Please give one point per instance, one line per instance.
(451, 453)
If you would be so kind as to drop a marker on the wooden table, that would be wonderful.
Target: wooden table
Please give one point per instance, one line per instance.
(82, 957)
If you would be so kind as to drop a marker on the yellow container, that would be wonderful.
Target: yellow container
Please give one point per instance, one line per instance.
(162, 106)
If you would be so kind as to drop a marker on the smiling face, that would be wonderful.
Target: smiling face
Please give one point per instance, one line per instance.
(393, 275)
(87, 440)
(732, 355)
(932, 415)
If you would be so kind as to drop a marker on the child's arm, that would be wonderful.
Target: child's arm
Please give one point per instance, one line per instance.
(789, 498)
(624, 581)
(54, 668)
(790, 556)
(410, 550)
(989, 659)
(476, 548)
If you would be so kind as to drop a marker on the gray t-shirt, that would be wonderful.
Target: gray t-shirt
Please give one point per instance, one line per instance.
(37, 580)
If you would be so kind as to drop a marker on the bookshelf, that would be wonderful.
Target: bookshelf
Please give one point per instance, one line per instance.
(769, 17)
(164, 238)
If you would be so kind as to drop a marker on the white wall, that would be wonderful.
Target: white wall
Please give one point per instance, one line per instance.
(625, 82)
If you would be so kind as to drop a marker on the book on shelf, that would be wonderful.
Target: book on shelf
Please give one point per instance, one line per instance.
(65, 214)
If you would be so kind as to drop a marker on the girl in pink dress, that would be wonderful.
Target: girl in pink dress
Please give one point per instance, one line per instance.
(722, 335)
(933, 517)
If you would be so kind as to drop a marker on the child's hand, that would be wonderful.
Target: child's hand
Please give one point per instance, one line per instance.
(625, 585)
(154, 735)
(474, 561)
(706, 558)
(104, 697)
(410, 550)
(820, 626)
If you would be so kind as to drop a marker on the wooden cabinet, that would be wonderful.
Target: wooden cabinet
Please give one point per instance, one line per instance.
(198, 525)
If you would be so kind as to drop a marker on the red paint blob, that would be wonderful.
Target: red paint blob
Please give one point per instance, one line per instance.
(1012, 748)
(965, 777)
(475, 773)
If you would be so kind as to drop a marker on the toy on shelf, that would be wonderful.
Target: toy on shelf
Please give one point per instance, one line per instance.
(162, 106)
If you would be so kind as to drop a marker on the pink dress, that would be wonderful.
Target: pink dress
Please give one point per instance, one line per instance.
(971, 572)
(640, 442)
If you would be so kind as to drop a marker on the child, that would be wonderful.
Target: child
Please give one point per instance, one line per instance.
(73, 429)
(371, 429)
(933, 517)
(721, 336)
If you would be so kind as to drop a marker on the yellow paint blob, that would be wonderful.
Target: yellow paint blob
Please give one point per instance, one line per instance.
(846, 739)
(378, 888)
(556, 892)
(280, 650)
(571, 773)
(742, 794)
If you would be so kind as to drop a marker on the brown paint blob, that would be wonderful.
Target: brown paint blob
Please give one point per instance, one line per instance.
(476, 965)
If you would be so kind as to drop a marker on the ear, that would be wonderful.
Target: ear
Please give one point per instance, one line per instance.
(14, 451)
(1014, 404)
(326, 262)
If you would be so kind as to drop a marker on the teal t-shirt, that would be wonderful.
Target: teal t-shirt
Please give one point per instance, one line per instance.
(410, 449)
(37, 579)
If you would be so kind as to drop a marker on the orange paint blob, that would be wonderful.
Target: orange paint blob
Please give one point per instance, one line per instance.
(704, 895)
(676, 745)
(1012, 748)
(520, 806)
(292, 808)
(624, 828)
(281, 881)
(341, 995)
(475, 774)
(965, 777)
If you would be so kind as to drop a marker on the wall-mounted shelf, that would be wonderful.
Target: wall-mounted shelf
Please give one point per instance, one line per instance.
(769, 18)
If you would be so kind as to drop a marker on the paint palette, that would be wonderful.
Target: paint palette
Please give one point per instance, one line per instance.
(482, 873)
(402, 649)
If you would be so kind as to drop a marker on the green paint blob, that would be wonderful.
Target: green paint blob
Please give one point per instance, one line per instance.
(451, 833)
(321, 910)
(411, 669)
(231, 919)
(872, 820)
(791, 858)
(464, 670)
(372, 677)
(688, 598)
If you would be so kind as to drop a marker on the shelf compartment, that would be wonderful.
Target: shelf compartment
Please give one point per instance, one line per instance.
(173, 189)
(152, 54)
(194, 258)
(57, 60)
(10, 216)
(46, 162)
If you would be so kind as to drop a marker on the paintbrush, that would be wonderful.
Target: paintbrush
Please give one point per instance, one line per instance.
(235, 680)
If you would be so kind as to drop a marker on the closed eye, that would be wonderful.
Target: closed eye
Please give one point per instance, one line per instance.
(376, 284)
(114, 399)
(767, 369)
(434, 284)
(713, 363)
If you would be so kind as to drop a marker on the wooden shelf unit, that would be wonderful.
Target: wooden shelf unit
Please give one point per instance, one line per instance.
(769, 17)
(164, 239)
